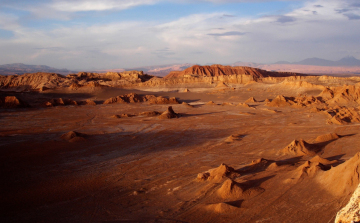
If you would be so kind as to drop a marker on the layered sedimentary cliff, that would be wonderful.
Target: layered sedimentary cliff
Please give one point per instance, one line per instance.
(195, 76)
(42, 81)
(220, 70)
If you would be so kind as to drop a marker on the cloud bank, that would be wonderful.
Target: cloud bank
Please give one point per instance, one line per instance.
(87, 34)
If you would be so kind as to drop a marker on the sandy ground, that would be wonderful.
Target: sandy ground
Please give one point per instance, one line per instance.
(143, 169)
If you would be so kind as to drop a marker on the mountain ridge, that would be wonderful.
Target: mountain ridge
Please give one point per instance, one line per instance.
(315, 61)
(346, 65)
(21, 68)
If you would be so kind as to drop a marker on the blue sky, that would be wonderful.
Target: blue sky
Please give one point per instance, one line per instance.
(108, 34)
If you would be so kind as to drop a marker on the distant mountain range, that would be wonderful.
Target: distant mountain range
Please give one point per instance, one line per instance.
(163, 70)
(346, 65)
(20, 68)
(346, 61)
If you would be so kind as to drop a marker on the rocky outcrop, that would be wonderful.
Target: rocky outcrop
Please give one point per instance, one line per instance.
(195, 76)
(135, 98)
(12, 102)
(73, 136)
(86, 102)
(127, 98)
(325, 103)
(132, 76)
(300, 101)
(327, 137)
(345, 95)
(41, 81)
(218, 174)
(343, 179)
(280, 101)
(220, 70)
(351, 212)
(33, 81)
(251, 100)
(342, 115)
(169, 114)
(60, 102)
(300, 148)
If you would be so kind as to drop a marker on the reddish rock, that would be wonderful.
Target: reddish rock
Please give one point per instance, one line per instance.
(219, 70)
(12, 102)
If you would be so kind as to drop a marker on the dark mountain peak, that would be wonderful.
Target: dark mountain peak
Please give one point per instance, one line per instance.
(316, 62)
(349, 61)
(20, 68)
(282, 62)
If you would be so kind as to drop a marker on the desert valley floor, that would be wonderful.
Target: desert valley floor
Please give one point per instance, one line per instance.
(217, 162)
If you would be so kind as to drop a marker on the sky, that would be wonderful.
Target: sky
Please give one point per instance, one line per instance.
(111, 34)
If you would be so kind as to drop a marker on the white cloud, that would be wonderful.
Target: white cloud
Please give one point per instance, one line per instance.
(8, 21)
(315, 29)
(97, 5)
(320, 28)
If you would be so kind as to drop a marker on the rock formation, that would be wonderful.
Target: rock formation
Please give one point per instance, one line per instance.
(73, 136)
(280, 101)
(234, 190)
(326, 137)
(221, 85)
(221, 208)
(251, 100)
(230, 189)
(244, 105)
(41, 81)
(127, 98)
(161, 100)
(187, 105)
(325, 162)
(86, 102)
(344, 178)
(233, 138)
(131, 76)
(12, 102)
(168, 114)
(220, 70)
(256, 165)
(33, 81)
(150, 113)
(218, 174)
(135, 98)
(342, 115)
(300, 148)
(351, 212)
(123, 116)
(60, 102)
(310, 169)
(345, 95)
(210, 103)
